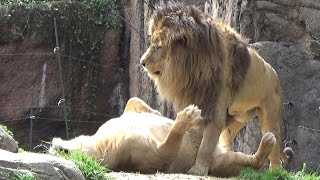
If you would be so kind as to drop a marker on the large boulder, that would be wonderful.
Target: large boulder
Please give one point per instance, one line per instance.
(7, 142)
(42, 166)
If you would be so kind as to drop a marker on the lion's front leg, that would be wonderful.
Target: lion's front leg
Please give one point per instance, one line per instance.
(211, 134)
(206, 150)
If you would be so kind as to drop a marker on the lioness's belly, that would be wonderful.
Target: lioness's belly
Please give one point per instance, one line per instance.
(134, 139)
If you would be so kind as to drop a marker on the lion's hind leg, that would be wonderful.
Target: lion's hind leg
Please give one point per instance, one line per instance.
(185, 119)
(136, 104)
(234, 124)
(269, 118)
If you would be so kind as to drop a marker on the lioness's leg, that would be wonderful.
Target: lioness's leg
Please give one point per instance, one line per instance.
(269, 117)
(169, 148)
(231, 163)
(83, 143)
(136, 104)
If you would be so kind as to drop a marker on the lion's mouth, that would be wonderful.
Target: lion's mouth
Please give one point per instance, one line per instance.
(154, 73)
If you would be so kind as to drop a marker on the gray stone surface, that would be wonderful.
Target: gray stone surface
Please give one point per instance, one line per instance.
(42, 166)
(7, 142)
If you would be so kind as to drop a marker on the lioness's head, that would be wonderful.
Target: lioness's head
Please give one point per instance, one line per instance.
(184, 47)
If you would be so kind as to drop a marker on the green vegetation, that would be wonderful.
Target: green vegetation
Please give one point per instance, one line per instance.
(6, 130)
(21, 150)
(22, 176)
(90, 168)
(278, 174)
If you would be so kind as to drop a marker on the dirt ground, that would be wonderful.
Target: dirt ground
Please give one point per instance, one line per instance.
(130, 176)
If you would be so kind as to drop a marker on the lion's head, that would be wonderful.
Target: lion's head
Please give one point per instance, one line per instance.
(185, 52)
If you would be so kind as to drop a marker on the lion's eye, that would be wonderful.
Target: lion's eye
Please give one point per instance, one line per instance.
(158, 47)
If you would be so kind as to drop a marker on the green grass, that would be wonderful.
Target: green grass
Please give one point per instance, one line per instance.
(90, 167)
(22, 176)
(6, 130)
(278, 174)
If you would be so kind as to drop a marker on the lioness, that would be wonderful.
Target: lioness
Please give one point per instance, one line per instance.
(194, 58)
(143, 141)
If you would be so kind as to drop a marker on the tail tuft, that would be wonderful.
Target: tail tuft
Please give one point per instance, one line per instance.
(288, 151)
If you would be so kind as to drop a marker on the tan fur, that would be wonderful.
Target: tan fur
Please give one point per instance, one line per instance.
(196, 59)
(143, 141)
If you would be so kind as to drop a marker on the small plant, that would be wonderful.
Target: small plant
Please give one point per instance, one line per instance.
(21, 150)
(6, 130)
(90, 168)
(22, 176)
(278, 174)
(303, 174)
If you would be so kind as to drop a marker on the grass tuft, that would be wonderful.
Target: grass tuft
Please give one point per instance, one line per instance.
(6, 130)
(278, 174)
(90, 167)
(22, 176)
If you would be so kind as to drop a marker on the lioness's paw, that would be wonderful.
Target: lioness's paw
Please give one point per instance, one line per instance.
(190, 115)
(155, 112)
(267, 143)
(56, 142)
(269, 140)
(55, 146)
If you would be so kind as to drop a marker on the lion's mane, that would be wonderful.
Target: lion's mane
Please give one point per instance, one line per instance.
(202, 55)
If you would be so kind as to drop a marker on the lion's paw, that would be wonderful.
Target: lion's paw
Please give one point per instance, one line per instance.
(191, 115)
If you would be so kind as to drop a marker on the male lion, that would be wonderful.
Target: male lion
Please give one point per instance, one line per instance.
(141, 140)
(196, 59)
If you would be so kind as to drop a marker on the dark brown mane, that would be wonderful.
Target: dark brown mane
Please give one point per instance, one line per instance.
(197, 50)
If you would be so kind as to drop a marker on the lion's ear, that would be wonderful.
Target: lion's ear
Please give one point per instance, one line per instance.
(180, 39)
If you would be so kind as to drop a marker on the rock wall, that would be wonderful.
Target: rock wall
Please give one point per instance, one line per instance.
(29, 73)
(137, 15)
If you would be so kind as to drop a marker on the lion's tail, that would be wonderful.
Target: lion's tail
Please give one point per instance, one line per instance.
(286, 156)
(82, 143)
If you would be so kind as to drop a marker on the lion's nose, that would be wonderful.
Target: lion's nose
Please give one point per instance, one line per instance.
(143, 62)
